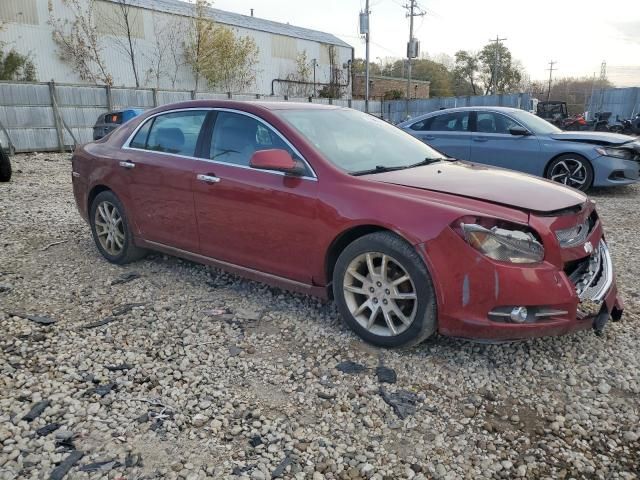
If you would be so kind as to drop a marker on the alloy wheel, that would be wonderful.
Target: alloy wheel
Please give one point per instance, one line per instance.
(109, 228)
(380, 294)
(571, 172)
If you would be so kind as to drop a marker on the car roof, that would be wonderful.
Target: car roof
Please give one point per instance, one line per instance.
(482, 108)
(242, 105)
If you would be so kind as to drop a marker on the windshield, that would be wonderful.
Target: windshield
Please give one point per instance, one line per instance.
(358, 142)
(537, 125)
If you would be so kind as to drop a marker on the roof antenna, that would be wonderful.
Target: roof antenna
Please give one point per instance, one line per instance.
(252, 12)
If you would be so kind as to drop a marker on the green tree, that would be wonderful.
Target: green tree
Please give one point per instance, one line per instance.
(216, 54)
(359, 66)
(498, 72)
(465, 70)
(14, 65)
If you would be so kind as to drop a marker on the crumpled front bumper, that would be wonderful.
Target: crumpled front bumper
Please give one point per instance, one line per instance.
(470, 286)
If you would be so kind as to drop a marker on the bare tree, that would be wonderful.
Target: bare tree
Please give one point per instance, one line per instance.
(167, 55)
(78, 42)
(123, 25)
(300, 82)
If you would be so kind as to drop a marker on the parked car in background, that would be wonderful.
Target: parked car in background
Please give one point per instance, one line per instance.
(515, 139)
(553, 112)
(110, 121)
(337, 203)
(5, 165)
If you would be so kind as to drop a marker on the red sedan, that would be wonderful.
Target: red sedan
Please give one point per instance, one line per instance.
(336, 203)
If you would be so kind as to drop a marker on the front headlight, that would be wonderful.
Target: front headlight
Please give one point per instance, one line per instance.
(504, 245)
(624, 153)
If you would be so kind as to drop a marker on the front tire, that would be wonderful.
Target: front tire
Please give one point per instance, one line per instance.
(111, 230)
(384, 292)
(571, 170)
(5, 166)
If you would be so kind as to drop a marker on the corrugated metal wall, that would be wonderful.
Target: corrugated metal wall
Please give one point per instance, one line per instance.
(28, 113)
(622, 102)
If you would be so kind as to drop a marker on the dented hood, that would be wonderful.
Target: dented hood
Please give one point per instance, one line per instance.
(495, 185)
(595, 138)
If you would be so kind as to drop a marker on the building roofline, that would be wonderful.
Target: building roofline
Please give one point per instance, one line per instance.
(232, 19)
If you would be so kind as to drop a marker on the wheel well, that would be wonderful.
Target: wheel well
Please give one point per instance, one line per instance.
(343, 240)
(546, 167)
(93, 194)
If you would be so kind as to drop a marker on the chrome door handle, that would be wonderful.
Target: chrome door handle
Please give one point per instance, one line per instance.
(479, 139)
(429, 137)
(207, 178)
(127, 164)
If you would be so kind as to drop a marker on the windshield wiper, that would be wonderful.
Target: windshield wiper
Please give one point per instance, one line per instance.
(383, 168)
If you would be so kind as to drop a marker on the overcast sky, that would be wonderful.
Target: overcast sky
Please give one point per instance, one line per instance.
(578, 34)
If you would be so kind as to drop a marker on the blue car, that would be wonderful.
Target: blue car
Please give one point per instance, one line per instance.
(519, 140)
(108, 122)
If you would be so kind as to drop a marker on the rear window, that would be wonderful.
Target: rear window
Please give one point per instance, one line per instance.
(175, 133)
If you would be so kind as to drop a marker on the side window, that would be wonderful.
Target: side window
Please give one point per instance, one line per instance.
(237, 137)
(422, 125)
(486, 122)
(451, 122)
(490, 122)
(175, 132)
(504, 123)
(140, 140)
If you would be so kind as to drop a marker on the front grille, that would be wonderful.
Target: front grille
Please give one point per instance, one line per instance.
(576, 235)
(593, 275)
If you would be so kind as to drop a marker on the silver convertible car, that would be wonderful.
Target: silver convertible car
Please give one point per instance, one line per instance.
(516, 139)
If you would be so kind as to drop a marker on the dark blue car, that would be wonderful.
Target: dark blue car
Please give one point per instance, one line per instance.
(110, 121)
(516, 139)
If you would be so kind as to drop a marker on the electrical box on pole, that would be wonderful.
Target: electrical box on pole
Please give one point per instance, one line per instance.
(413, 48)
(364, 23)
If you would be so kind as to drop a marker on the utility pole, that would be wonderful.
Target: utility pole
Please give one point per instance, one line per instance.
(496, 65)
(551, 69)
(412, 47)
(365, 30)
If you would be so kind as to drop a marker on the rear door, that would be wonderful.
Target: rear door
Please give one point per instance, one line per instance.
(262, 220)
(493, 144)
(158, 166)
(447, 132)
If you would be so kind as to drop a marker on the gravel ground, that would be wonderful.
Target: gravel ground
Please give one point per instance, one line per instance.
(168, 369)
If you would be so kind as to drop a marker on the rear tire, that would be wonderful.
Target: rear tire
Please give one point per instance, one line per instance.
(384, 292)
(5, 166)
(112, 231)
(571, 170)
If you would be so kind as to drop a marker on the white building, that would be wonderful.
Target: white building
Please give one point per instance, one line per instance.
(27, 29)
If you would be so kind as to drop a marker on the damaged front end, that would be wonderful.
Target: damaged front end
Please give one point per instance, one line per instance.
(593, 278)
(551, 276)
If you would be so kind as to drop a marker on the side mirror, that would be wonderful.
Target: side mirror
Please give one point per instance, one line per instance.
(521, 131)
(276, 159)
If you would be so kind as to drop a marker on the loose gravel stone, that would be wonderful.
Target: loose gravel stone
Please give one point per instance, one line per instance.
(215, 362)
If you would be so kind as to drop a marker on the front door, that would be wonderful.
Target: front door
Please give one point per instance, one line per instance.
(159, 166)
(257, 219)
(493, 144)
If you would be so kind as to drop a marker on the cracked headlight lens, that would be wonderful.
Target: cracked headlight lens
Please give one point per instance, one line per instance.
(624, 153)
(514, 246)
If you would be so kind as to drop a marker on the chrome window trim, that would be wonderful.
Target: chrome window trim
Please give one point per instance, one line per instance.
(127, 143)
